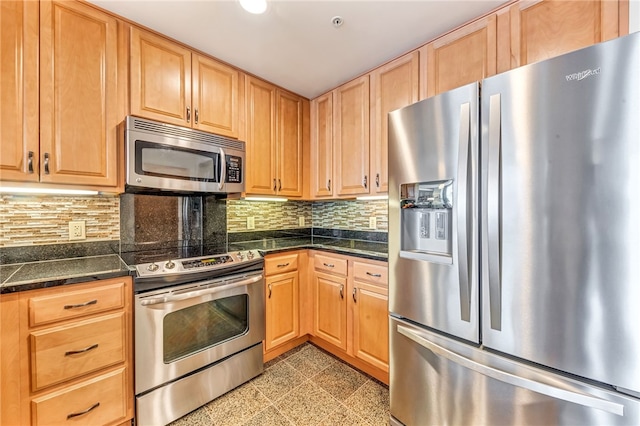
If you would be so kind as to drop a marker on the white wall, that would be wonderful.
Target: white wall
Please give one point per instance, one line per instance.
(634, 16)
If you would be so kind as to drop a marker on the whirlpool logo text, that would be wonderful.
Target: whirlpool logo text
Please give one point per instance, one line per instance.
(577, 76)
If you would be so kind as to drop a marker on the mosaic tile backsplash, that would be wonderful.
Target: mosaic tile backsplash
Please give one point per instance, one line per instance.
(38, 220)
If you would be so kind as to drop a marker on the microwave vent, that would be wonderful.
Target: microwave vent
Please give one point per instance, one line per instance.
(183, 133)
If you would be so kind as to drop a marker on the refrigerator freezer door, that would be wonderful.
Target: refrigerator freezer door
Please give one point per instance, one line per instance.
(433, 218)
(561, 235)
(436, 380)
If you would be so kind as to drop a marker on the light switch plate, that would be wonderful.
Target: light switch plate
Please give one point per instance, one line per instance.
(301, 221)
(372, 222)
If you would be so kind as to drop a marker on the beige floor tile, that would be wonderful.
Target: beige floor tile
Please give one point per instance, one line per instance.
(237, 406)
(198, 417)
(371, 402)
(310, 361)
(340, 380)
(270, 416)
(344, 416)
(307, 405)
(278, 380)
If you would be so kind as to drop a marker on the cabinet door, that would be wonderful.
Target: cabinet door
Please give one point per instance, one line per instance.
(78, 87)
(460, 57)
(261, 137)
(393, 86)
(160, 79)
(281, 309)
(289, 144)
(322, 146)
(351, 137)
(330, 314)
(215, 96)
(371, 324)
(544, 29)
(19, 91)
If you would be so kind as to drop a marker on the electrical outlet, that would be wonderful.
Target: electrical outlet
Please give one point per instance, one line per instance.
(251, 222)
(301, 221)
(372, 222)
(77, 230)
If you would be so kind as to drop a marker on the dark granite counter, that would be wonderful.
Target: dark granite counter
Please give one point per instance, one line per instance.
(51, 273)
(365, 249)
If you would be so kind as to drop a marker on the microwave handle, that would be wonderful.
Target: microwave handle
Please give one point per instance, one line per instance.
(223, 169)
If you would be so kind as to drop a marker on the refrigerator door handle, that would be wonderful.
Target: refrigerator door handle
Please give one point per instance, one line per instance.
(464, 204)
(494, 205)
(514, 380)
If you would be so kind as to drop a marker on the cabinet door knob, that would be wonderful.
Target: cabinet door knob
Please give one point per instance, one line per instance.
(188, 114)
(274, 184)
(378, 180)
(279, 184)
(196, 115)
(355, 290)
(364, 182)
(46, 163)
(30, 162)
(329, 185)
(269, 291)
(341, 291)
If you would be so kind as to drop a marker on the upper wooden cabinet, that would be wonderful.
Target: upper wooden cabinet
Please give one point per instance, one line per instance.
(80, 101)
(19, 150)
(394, 85)
(546, 28)
(458, 58)
(170, 83)
(351, 137)
(322, 146)
(274, 140)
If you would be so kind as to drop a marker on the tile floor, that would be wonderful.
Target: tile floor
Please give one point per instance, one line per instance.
(305, 386)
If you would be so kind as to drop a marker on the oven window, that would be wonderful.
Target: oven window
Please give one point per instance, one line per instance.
(198, 327)
(154, 159)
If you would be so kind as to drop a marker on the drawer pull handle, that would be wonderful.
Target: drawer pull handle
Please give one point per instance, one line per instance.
(80, 305)
(355, 290)
(46, 163)
(269, 291)
(374, 275)
(329, 265)
(93, 407)
(282, 265)
(87, 349)
(341, 291)
(30, 162)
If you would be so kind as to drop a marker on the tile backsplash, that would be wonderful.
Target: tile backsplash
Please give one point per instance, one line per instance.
(38, 220)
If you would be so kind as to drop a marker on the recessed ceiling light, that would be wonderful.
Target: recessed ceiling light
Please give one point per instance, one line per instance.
(254, 6)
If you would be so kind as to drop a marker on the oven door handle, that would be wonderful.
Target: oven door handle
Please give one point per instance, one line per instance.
(199, 293)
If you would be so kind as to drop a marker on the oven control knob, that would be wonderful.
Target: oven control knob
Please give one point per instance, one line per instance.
(240, 255)
(250, 255)
(170, 265)
(153, 267)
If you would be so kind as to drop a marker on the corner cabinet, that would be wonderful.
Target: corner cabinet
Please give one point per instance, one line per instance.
(170, 83)
(81, 100)
(322, 146)
(275, 134)
(67, 354)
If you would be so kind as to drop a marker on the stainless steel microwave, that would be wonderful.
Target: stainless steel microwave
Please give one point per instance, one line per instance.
(164, 157)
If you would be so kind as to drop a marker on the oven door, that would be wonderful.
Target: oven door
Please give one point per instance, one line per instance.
(181, 329)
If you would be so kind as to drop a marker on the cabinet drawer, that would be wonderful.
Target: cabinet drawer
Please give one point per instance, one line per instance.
(76, 303)
(62, 353)
(106, 393)
(331, 264)
(376, 274)
(280, 264)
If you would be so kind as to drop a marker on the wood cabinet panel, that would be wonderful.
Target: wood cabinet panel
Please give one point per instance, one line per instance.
(261, 135)
(19, 91)
(289, 144)
(10, 373)
(78, 94)
(282, 309)
(160, 78)
(461, 57)
(75, 304)
(330, 313)
(98, 401)
(322, 146)
(351, 137)
(548, 28)
(393, 86)
(215, 96)
(371, 324)
(65, 352)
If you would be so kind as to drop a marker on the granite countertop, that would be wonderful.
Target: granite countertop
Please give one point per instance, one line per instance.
(33, 275)
(366, 249)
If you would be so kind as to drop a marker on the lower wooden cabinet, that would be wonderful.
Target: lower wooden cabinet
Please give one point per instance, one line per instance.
(66, 354)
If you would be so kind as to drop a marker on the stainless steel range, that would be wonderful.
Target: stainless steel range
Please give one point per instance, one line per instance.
(199, 325)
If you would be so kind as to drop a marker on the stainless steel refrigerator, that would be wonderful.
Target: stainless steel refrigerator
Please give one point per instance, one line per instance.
(514, 246)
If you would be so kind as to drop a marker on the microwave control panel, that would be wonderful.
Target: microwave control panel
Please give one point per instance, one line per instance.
(234, 169)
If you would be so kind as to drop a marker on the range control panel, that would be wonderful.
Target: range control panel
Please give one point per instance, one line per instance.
(204, 263)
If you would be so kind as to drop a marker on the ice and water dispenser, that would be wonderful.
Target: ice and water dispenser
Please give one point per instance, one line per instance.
(426, 216)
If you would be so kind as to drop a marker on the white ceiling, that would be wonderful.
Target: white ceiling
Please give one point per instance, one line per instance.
(294, 43)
